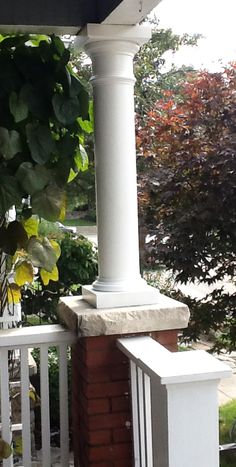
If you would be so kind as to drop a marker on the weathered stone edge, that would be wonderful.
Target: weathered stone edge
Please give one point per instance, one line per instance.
(84, 320)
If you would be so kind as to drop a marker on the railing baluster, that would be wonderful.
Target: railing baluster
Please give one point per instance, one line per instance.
(5, 404)
(148, 420)
(63, 398)
(25, 407)
(45, 416)
(141, 418)
(134, 389)
(19, 340)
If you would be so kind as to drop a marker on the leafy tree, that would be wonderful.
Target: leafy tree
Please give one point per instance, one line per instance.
(151, 77)
(188, 192)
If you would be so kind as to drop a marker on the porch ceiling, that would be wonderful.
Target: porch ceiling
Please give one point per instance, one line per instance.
(69, 16)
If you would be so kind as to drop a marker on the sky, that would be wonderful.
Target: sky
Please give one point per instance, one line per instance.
(214, 19)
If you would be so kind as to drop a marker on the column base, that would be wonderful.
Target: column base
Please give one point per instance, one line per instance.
(145, 296)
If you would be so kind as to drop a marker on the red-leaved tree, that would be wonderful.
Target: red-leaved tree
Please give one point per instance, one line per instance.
(187, 188)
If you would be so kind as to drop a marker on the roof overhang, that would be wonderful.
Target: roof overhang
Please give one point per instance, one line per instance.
(69, 16)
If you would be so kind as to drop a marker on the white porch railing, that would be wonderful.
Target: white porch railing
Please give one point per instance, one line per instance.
(175, 407)
(21, 340)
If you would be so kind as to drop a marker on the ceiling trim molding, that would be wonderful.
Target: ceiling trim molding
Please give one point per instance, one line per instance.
(131, 11)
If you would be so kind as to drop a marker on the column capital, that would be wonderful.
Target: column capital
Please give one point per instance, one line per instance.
(93, 33)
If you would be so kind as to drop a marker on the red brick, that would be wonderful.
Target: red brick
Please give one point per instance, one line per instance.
(99, 438)
(120, 372)
(95, 406)
(103, 358)
(116, 388)
(123, 463)
(98, 342)
(106, 421)
(94, 375)
(120, 404)
(100, 464)
(110, 452)
(120, 435)
(166, 337)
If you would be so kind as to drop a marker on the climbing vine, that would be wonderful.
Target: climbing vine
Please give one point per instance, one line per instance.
(44, 114)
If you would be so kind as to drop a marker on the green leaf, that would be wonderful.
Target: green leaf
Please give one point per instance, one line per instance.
(41, 253)
(18, 107)
(86, 125)
(81, 159)
(78, 90)
(40, 142)
(32, 178)
(10, 143)
(72, 175)
(67, 145)
(35, 39)
(48, 203)
(35, 99)
(66, 109)
(10, 193)
(58, 45)
(14, 41)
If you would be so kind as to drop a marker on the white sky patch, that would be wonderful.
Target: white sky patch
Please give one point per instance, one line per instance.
(214, 19)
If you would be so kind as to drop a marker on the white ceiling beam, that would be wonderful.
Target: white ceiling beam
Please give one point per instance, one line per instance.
(131, 11)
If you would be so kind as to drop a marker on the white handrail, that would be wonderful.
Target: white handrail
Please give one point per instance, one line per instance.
(35, 335)
(175, 417)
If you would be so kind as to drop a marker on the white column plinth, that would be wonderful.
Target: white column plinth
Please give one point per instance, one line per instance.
(112, 49)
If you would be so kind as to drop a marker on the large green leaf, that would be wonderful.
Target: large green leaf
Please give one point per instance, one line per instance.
(10, 143)
(48, 203)
(66, 109)
(40, 142)
(10, 193)
(81, 159)
(67, 145)
(18, 107)
(88, 125)
(58, 45)
(78, 90)
(35, 100)
(32, 178)
(42, 253)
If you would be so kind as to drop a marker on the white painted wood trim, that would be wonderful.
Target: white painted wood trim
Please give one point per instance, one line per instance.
(33, 336)
(148, 421)
(45, 417)
(63, 398)
(141, 417)
(5, 404)
(134, 391)
(131, 11)
(172, 367)
(25, 407)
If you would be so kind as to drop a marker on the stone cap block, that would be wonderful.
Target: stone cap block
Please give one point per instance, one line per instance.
(85, 320)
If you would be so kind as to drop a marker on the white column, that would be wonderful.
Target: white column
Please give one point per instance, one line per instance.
(112, 49)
